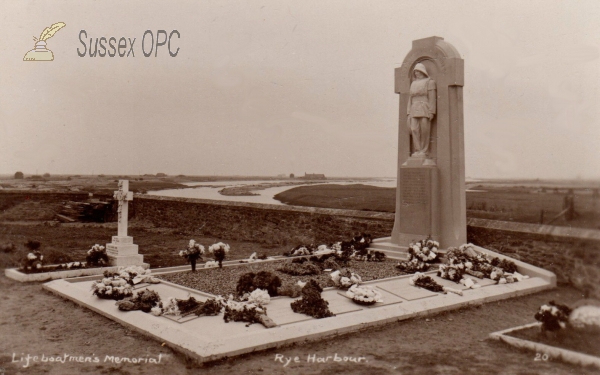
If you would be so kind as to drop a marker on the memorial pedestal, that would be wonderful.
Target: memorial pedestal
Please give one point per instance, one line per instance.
(419, 202)
(123, 252)
(430, 193)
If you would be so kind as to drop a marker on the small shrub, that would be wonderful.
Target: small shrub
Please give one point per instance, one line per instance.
(299, 260)
(8, 247)
(295, 269)
(264, 280)
(330, 263)
(32, 245)
(55, 256)
(267, 281)
(245, 284)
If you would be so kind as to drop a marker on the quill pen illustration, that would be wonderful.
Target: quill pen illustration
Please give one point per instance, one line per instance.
(40, 52)
(50, 31)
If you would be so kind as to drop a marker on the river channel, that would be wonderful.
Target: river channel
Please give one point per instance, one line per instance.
(210, 190)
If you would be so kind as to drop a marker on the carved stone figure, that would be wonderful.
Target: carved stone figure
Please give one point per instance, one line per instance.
(421, 110)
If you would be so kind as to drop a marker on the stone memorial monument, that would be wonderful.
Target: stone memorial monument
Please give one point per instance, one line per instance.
(122, 251)
(430, 195)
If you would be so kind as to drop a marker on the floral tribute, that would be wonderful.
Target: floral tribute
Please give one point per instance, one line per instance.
(364, 295)
(420, 255)
(193, 252)
(345, 279)
(96, 256)
(356, 248)
(300, 250)
(259, 297)
(553, 316)
(426, 282)
(119, 285)
(300, 268)
(144, 300)
(185, 307)
(586, 317)
(247, 311)
(219, 251)
(423, 281)
(264, 280)
(255, 258)
(112, 286)
(33, 262)
(331, 264)
(71, 266)
(465, 260)
(324, 250)
(312, 303)
(135, 275)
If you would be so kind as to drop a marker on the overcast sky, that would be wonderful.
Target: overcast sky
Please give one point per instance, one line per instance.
(270, 87)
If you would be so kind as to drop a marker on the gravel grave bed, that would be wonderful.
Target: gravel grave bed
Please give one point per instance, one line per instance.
(223, 281)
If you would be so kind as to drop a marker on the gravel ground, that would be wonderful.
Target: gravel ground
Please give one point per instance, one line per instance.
(223, 281)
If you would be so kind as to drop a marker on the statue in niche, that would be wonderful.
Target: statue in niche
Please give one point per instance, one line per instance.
(421, 110)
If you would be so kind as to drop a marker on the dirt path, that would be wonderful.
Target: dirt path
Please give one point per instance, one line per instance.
(35, 322)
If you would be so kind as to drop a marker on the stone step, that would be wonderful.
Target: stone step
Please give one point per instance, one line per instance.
(391, 250)
(388, 246)
(390, 253)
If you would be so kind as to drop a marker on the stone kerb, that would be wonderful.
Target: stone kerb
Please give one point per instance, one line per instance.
(15, 274)
(223, 340)
(551, 352)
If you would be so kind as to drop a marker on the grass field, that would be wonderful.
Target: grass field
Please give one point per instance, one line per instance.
(517, 203)
(349, 197)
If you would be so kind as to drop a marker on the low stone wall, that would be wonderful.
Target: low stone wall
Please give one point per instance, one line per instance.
(22, 205)
(573, 260)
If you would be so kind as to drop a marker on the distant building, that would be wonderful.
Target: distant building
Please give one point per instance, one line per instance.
(314, 176)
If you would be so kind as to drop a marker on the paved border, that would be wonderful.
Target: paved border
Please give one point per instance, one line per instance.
(565, 355)
(210, 348)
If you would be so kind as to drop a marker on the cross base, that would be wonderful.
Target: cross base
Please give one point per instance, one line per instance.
(123, 252)
(127, 260)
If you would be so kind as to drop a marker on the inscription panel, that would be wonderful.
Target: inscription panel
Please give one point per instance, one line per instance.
(112, 250)
(122, 239)
(414, 187)
(416, 200)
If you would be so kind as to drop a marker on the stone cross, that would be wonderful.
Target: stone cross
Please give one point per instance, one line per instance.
(123, 196)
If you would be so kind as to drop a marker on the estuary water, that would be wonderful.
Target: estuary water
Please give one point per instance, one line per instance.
(210, 190)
